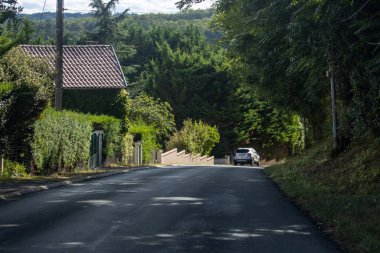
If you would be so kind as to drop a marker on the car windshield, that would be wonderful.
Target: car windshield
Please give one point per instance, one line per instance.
(242, 151)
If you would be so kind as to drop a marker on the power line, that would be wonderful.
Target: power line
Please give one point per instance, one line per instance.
(356, 12)
(42, 13)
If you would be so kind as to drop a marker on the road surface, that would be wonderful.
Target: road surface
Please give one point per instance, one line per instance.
(172, 209)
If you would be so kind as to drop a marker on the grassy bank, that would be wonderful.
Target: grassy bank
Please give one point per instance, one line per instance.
(342, 193)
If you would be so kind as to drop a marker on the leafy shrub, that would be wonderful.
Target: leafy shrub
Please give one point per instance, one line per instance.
(144, 108)
(5, 104)
(148, 136)
(195, 137)
(62, 139)
(127, 149)
(275, 133)
(112, 127)
(13, 170)
(26, 89)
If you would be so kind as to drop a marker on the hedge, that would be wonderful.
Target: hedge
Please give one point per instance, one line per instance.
(148, 136)
(62, 139)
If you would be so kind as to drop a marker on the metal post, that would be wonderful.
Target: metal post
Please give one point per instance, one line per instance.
(333, 107)
(59, 56)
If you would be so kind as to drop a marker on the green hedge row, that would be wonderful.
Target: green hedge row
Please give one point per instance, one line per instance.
(62, 139)
(148, 136)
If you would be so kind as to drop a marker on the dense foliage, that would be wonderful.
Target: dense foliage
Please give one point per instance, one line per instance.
(111, 102)
(62, 139)
(12, 170)
(127, 149)
(112, 127)
(190, 75)
(195, 137)
(289, 45)
(277, 133)
(149, 138)
(13, 29)
(26, 90)
(154, 112)
(264, 86)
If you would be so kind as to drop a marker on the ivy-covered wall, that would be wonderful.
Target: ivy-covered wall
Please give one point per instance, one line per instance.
(96, 101)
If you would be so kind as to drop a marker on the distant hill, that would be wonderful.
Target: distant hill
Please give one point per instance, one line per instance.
(76, 25)
(183, 15)
(51, 15)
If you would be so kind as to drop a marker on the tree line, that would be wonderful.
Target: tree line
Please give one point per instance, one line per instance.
(182, 74)
(287, 46)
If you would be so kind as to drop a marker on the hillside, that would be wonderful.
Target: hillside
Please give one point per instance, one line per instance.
(78, 24)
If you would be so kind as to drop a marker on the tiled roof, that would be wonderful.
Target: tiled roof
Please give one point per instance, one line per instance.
(84, 67)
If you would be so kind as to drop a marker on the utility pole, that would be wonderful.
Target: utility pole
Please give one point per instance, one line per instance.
(59, 56)
(330, 74)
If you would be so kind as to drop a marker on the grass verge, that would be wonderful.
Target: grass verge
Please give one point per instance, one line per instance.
(341, 193)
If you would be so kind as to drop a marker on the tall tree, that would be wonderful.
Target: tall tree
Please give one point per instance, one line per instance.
(106, 24)
(13, 29)
(289, 45)
(9, 10)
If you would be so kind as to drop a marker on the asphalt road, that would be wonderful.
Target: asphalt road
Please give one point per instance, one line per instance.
(174, 209)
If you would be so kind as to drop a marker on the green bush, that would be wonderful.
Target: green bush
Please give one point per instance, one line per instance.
(5, 88)
(112, 131)
(13, 170)
(148, 136)
(195, 137)
(63, 139)
(144, 108)
(25, 90)
(127, 149)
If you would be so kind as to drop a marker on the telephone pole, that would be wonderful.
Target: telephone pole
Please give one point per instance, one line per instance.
(330, 74)
(59, 56)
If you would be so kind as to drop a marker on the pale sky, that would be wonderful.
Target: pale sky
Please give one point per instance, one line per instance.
(136, 6)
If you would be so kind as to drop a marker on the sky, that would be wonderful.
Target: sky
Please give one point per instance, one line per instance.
(135, 6)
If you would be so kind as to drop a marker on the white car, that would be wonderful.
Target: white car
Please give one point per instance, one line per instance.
(246, 156)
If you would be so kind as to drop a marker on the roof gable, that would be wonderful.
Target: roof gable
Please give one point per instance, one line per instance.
(84, 67)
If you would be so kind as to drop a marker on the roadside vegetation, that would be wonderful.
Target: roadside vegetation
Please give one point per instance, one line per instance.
(341, 194)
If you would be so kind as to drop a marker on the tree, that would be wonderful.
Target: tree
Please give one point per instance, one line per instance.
(152, 112)
(9, 10)
(13, 29)
(288, 46)
(276, 133)
(194, 72)
(195, 137)
(187, 3)
(27, 82)
(105, 22)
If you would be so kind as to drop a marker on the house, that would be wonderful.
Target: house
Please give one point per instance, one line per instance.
(92, 77)
(92, 81)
